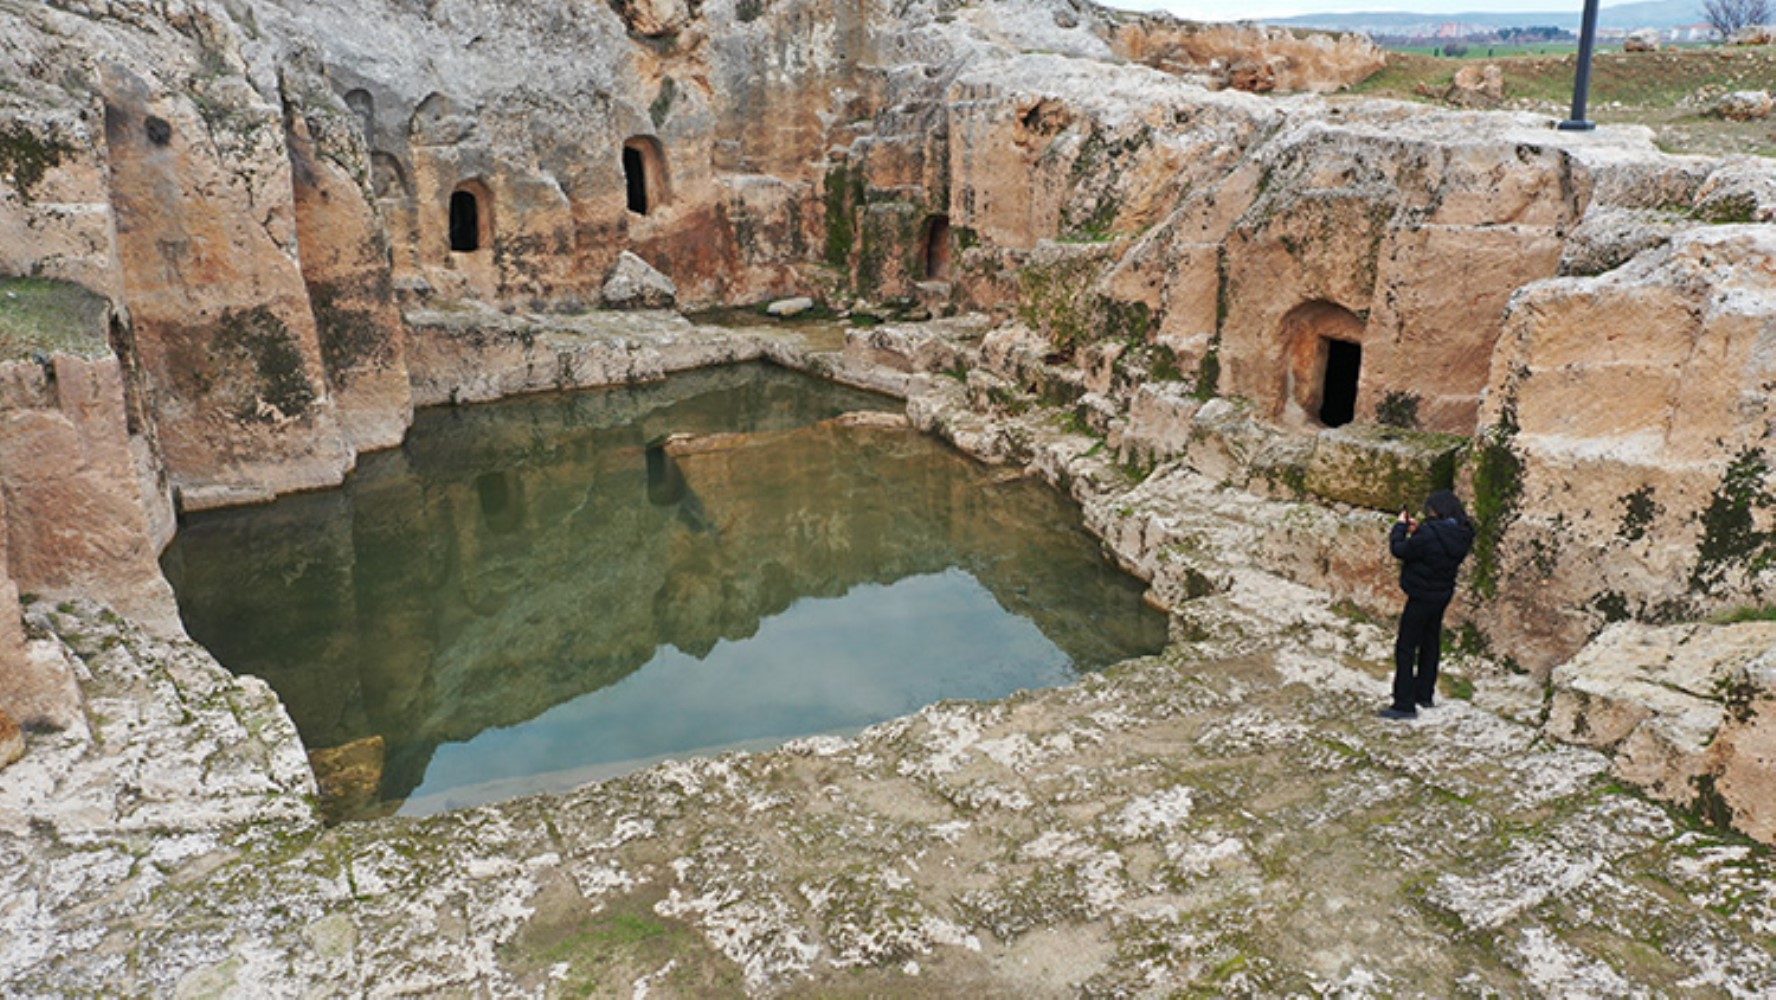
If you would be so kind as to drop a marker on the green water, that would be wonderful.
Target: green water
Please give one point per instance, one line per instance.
(530, 594)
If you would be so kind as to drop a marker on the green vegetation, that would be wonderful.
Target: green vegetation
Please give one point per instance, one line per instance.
(1735, 616)
(38, 315)
(1736, 209)
(1398, 409)
(1498, 487)
(1730, 536)
(259, 338)
(661, 109)
(1664, 90)
(844, 195)
(1459, 688)
(1639, 510)
(1055, 298)
(26, 156)
(593, 955)
(1208, 374)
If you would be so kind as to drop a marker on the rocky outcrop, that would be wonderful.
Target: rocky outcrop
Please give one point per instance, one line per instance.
(635, 284)
(170, 744)
(1624, 471)
(76, 514)
(1687, 712)
(1744, 105)
(1247, 56)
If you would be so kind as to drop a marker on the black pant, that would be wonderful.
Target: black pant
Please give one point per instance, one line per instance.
(1420, 643)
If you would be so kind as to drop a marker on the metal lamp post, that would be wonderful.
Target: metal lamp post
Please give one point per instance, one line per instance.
(1582, 81)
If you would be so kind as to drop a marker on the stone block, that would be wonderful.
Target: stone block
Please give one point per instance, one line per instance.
(1383, 468)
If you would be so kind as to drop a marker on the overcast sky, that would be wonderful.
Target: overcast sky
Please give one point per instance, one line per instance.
(1234, 10)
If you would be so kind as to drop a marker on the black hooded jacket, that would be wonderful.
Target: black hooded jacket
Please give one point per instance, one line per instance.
(1430, 556)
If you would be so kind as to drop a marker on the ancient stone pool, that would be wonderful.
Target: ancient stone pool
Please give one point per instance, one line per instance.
(531, 594)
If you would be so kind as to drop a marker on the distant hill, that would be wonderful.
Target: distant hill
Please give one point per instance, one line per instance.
(1628, 16)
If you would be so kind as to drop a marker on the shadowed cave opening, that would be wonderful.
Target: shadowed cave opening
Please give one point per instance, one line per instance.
(937, 248)
(644, 174)
(635, 180)
(465, 221)
(1338, 395)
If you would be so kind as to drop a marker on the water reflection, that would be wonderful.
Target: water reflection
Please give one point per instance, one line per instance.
(550, 589)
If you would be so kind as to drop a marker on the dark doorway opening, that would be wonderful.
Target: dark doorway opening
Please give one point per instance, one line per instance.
(465, 222)
(937, 248)
(635, 179)
(1338, 400)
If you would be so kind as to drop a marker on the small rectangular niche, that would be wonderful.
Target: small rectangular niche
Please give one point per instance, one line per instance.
(1338, 396)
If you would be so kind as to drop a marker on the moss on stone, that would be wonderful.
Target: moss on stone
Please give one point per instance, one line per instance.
(1498, 489)
(1208, 372)
(888, 244)
(661, 108)
(26, 156)
(1735, 209)
(1398, 409)
(1612, 605)
(258, 337)
(843, 196)
(349, 338)
(1730, 536)
(1639, 510)
(1382, 468)
(41, 316)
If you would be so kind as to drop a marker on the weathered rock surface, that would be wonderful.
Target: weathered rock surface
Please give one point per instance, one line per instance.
(1641, 40)
(991, 156)
(1476, 87)
(1754, 34)
(472, 353)
(790, 307)
(1630, 482)
(1687, 712)
(635, 284)
(1229, 55)
(1744, 105)
(79, 495)
(12, 740)
(170, 744)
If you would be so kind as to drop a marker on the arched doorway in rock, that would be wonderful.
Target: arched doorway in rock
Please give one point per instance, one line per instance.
(644, 174)
(1324, 342)
(364, 106)
(937, 248)
(471, 217)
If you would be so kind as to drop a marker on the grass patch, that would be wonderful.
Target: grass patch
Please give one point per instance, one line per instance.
(38, 315)
(1746, 614)
(1656, 89)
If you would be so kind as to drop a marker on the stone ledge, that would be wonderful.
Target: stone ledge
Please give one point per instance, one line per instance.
(1688, 713)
